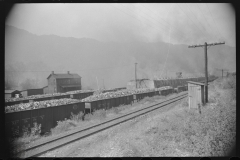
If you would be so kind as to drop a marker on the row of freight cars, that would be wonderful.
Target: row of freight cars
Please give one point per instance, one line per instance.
(44, 97)
(22, 121)
(146, 83)
(79, 94)
(175, 82)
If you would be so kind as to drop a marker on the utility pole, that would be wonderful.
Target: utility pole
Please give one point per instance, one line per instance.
(103, 84)
(97, 83)
(223, 70)
(206, 73)
(136, 74)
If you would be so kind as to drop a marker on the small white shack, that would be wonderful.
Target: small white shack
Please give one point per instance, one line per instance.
(12, 93)
(195, 94)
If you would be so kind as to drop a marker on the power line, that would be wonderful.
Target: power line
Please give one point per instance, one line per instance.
(131, 16)
(161, 22)
(152, 18)
(214, 22)
(205, 19)
(168, 45)
(166, 24)
(75, 70)
(125, 12)
(198, 21)
(164, 20)
(148, 16)
(196, 18)
(144, 18)
(154, 13)
(168, 51)
(136, 74)
(190, 19)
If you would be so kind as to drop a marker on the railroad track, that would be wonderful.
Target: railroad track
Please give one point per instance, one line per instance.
(62, 140)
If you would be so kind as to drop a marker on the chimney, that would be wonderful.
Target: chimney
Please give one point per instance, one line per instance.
(68, 72)
(52, 72)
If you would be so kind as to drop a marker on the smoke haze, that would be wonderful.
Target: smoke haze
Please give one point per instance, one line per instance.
(101, 42)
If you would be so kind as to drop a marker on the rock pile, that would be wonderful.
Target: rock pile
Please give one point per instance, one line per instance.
(39, 104)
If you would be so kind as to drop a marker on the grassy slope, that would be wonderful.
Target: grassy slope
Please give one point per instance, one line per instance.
(211, 133)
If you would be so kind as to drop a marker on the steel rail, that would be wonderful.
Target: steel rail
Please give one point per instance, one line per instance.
(77, 134)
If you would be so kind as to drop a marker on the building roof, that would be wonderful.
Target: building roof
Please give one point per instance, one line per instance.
(197, 83)
(139, 80)
(32, 89)
(71, 86)
(11, 91)
(60, 76)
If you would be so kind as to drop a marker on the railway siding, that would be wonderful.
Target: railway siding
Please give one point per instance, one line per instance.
(18, 122)
(97, 128)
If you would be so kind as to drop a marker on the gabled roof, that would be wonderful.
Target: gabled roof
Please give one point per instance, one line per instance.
(197, 83)
(32, 89)
(71, 86)
(11, 91)
(59, 76)
(139, 80)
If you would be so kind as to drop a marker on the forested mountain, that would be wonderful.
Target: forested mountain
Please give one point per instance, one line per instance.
(94, 60)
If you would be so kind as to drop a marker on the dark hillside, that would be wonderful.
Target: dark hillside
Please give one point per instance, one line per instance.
(111, 61)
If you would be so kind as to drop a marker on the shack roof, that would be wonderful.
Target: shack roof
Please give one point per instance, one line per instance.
(32, 89)
(61, 76)
(197, 83)
(11, 91)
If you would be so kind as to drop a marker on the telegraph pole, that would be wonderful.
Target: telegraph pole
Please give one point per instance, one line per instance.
(97, 83)
(103, 84)
(206, 74)
(136, 74)
(223, 70)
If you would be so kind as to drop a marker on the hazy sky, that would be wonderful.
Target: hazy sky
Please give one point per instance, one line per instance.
(175, 23)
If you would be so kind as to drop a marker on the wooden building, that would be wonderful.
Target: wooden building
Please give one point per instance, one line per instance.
(45, 90)
(195, 94)
(63, 82)
(30, 92)
(12, 93)
(141, 83)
